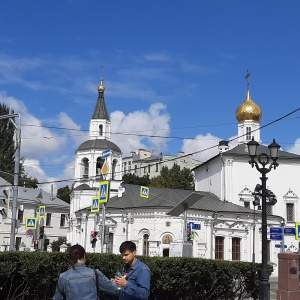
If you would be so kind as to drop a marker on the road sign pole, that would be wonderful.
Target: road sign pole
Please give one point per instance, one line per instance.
(282, 243)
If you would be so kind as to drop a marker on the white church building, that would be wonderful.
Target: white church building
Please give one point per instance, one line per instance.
(225, 226)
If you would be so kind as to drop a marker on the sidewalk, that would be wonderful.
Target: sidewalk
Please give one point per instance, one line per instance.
(273, 287)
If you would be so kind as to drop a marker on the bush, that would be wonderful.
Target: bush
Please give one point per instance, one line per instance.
(34, 275)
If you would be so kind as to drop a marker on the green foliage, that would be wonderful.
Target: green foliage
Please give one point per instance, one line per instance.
(34, 275)
(64, 193)
(174, 178)
(28, 181)
(55, 245)
(133, 179)
(7, 146)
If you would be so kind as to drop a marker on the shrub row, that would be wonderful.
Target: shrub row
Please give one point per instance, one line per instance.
(33, 275)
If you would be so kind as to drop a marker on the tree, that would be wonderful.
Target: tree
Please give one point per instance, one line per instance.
(64, 194)
(7, 146)
(7, 152)
(174, 178)
(55, 245)
(133, 179)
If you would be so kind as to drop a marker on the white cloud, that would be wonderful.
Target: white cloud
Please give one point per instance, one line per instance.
(204, 145)
(295, 148)
(139, 123)
(159, 57)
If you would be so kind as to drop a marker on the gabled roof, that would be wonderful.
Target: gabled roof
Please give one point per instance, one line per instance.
(166, 199)
(33, 196)
(242, 151)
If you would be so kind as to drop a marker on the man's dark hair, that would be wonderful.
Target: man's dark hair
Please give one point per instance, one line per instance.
(127, 246)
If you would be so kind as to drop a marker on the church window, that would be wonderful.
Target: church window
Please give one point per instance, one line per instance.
(236, 249)
(149, 168)
(135, 169)
(48, 219)
(129, 166)
(99, 165)
(219, 247)
(110, 242)
(290, 212)
(146, 245)
(124, 166)
(21, 215)
(156, 170)
(145, 169)
(269, 209)
(167, 239)
(100, 130)
(248, 133)
(247, 204)
(114, 164)
(85, 171)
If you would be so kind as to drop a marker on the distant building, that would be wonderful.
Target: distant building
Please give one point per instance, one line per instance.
(29, 200)
(144, 162)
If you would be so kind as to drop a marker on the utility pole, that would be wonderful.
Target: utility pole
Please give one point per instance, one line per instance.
(16, 177)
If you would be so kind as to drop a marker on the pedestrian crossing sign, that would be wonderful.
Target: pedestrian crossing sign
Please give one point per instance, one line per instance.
(95, 207)
(42, 211)
(104, 191)
(144, 192)
(30, 223)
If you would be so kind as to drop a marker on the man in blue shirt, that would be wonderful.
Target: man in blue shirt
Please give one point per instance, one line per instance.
(135, 279)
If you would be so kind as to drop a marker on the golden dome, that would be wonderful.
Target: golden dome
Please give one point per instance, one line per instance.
(249, 110)
(101, 87)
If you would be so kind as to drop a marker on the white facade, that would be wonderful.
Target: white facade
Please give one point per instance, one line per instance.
(145, 163)
(56, 221)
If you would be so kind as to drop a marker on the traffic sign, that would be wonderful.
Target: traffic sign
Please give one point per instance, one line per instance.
(197, 226)
(42, 211)
(297, 227)
(104, 189)
(276, 230)
(280, 246)
(30, 223)
(106, 153)
(105, 168)
(191, 225)
(276, 236)
(144, 192)
(95, 207)
(289, 231)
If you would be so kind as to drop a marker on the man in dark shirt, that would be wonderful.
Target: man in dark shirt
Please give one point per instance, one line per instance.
(135, 279)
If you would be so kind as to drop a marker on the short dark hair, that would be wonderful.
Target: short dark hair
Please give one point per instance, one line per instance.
(76, 252)
(127, 246)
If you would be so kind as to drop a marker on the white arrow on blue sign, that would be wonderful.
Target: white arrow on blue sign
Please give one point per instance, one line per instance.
(106, 153)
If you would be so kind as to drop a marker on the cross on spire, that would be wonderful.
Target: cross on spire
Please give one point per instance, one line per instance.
(247, 76)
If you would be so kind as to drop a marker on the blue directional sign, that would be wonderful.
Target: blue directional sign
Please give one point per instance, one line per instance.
(104, 189)
(95, 207)
(276, 236)
(106, 153)
(191, 225)
(42, 211)
(280, 246)
(197, 226)
(30, 223)
(297, 226)
(290, 231)
(276, 230)
(144, 192)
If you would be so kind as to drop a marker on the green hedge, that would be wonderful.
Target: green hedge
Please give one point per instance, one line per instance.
(33, 275)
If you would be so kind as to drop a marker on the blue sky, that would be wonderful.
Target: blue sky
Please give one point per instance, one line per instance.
(171, 68)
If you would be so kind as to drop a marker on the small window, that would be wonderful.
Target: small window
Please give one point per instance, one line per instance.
(236, 249)
(219, 247)
(62, 220)
(156, 169)
(100, 130)
(247, 204)
(290, 212)
(248, 133)
(48, 219)
(21, 216)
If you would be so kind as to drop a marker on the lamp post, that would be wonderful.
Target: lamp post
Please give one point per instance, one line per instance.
(264, 166)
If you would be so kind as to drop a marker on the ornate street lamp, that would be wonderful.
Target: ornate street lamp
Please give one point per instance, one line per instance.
(264, 166)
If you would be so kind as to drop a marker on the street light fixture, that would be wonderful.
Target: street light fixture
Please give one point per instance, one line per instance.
(266, 167)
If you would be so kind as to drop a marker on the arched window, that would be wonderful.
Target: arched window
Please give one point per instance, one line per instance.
(146, 245)
(100, 130)
(85, 168)
(99, 165)
(114, 164)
